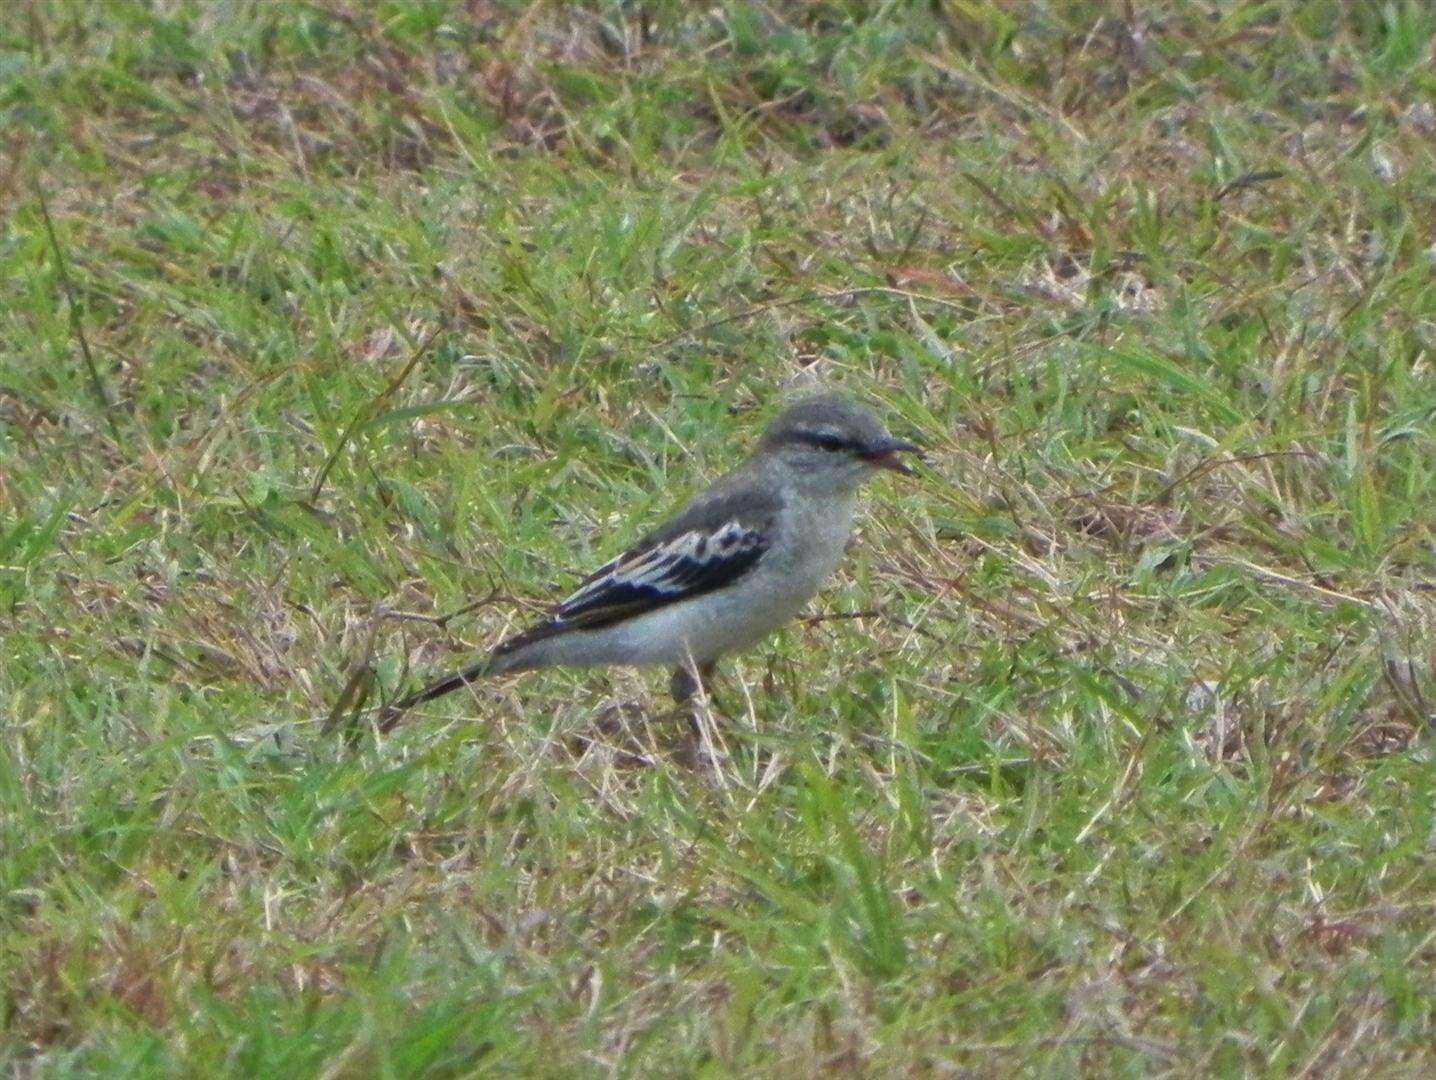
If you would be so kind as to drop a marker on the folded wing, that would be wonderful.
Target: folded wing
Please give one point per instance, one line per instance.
(688, 565)
(711, 545)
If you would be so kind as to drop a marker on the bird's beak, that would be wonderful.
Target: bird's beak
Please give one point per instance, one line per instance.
(884, 454)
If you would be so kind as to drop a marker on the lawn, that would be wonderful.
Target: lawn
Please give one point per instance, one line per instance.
(337, 338)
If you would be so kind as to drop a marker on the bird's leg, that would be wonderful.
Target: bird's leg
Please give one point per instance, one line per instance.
(689, 679)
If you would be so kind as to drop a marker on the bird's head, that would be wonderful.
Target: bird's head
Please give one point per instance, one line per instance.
(830, 440)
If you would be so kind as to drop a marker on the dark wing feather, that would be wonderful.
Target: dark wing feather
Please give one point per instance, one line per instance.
(710, 545)
(687, 565)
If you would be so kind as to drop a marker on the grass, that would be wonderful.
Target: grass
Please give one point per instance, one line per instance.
(395, 307)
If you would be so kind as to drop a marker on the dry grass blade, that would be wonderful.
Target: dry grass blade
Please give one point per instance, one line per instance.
(1109, 745)
(370, 410)
(77, 323)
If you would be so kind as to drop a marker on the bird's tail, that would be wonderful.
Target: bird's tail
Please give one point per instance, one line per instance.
(392, 714)
(521, 652)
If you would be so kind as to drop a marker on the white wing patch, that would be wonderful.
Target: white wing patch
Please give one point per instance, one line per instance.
(689, 564)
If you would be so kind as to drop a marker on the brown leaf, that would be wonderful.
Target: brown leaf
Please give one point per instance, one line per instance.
(905, 277)
(1333, 936)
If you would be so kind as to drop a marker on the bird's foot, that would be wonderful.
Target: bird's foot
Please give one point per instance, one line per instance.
(697, 707)
(620, 730)
(690, 681)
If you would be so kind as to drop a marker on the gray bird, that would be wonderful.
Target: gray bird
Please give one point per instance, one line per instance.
(737, 563)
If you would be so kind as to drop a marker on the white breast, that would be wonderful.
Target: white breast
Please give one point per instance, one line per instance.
(813, 537)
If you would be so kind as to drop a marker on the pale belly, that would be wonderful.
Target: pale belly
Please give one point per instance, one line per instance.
(699, 631)
(737, 618)
(717, 623)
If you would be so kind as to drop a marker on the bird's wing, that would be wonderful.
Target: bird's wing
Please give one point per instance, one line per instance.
(712, 544)
(720, 537)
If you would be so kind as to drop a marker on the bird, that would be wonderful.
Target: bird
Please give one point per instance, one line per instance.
(731, 567)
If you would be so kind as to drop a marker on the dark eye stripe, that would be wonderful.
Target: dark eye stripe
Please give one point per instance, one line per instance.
(826, 441)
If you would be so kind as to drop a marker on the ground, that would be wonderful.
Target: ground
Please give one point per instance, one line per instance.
(338, 338)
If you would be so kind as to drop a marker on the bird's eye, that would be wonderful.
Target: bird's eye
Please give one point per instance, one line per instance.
(827, 441)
